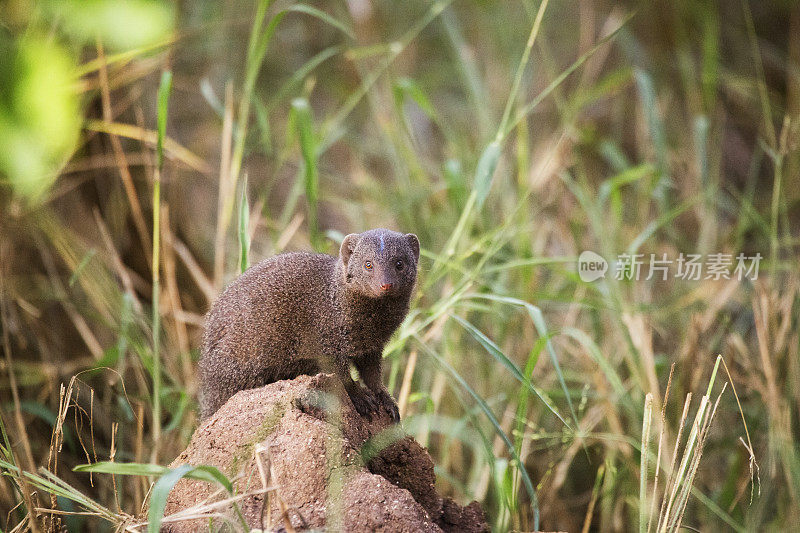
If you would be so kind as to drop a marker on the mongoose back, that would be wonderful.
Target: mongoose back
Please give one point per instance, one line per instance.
(303, 313)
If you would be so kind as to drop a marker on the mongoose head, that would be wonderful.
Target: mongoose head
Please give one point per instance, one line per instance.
(380, 262)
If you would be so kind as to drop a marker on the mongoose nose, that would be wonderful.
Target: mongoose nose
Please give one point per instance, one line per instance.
(386, 286)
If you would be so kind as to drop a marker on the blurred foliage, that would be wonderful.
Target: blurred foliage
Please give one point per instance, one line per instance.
(40, 115)
(121, 25)
(40, 95)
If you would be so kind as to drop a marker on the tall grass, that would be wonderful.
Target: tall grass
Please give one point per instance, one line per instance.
(510, 137)
(163, 102)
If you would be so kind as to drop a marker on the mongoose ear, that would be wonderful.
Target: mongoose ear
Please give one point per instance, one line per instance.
(348, 245)
(413, 241)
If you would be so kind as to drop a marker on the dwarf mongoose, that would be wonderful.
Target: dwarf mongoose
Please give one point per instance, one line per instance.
(303, 313)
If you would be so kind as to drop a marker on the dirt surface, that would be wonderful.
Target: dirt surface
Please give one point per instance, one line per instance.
(329, 467)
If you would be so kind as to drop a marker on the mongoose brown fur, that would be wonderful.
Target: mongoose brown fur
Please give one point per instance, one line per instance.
(303, 313)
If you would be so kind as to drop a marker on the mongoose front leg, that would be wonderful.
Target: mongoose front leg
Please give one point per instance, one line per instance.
(363, 400)
(369, 368)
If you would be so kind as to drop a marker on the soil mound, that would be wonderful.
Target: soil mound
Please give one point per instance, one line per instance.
(330, 469)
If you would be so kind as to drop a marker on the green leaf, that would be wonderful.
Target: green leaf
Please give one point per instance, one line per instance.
(408, 87)
(626, 177)
(162, 488)
(81, 266)
(158, 498)
(123, 469)
(168, 478)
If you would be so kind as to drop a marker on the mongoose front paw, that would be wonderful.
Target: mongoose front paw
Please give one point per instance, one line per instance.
(389, 405)
(364, 401)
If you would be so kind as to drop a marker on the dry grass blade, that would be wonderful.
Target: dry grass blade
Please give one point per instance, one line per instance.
(287, 234)
(684, 498)
(663, 422)
(598, 481)
(225, 188)
(405, 387)
(205, 510)
(171, 147)
(202, 281)
(681, 480)
(265, 474)
(668, 488)
(646, 423)
(12, 380)
(176, 307)
(121, 158)
(119, 267)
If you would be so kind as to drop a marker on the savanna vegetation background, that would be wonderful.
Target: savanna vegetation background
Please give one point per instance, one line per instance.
(510, 136)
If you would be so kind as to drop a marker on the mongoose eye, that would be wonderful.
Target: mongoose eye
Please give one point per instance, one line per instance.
(368, 265)
(399, 265)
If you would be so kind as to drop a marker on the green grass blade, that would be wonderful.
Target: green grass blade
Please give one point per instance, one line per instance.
(528, 109)
(626, 177)
(304, 124)
(456, 185)
(164, 89)
(526, 480)
(50, 483)
(122, 469)
(406, 87)
(647, 92)
(5, 448)
(257, 48)
(81, 266)
(495, 352)
(158, 498)
(262, 121)
(324, 17)
(605, 365)
(300, 74)
(665, 218)
(244, 220)
(538, 321)
(472, 78)
(484, 172)
(211, 474)
(331, 126)
(201, 473)
(647, 421)
(512, 95)
(521, 414)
